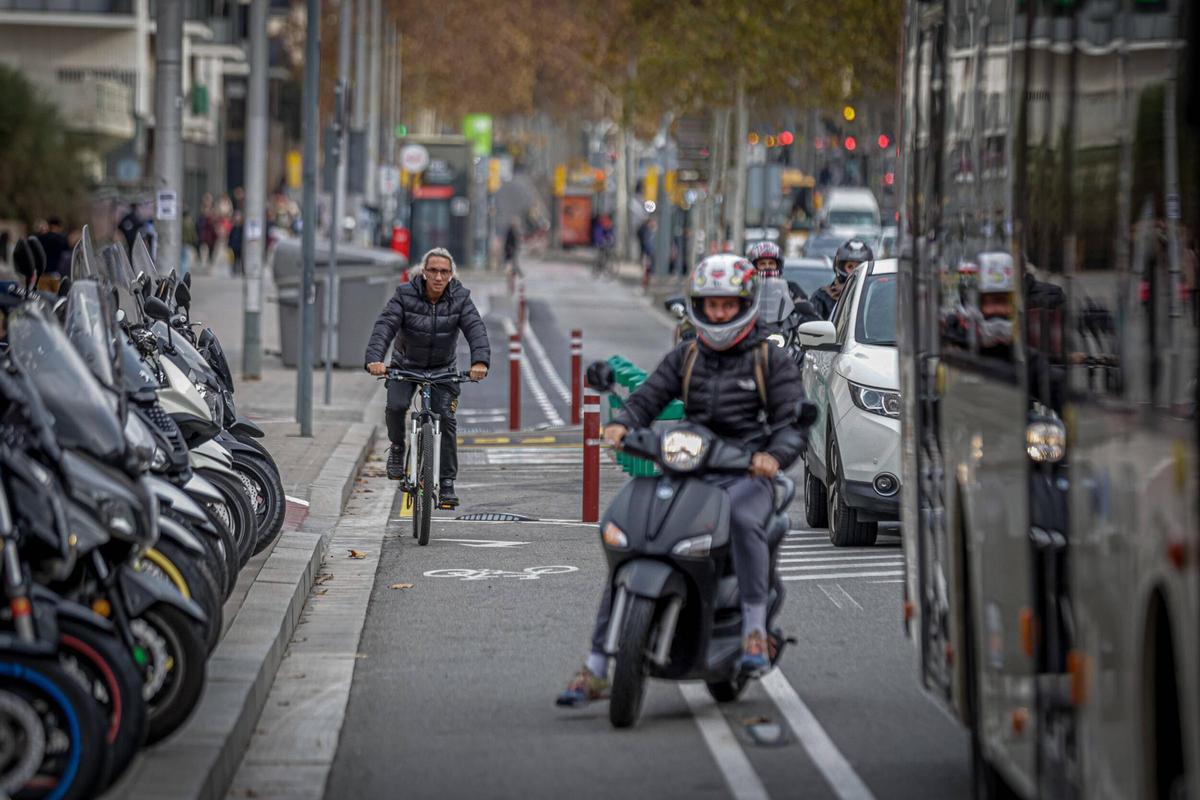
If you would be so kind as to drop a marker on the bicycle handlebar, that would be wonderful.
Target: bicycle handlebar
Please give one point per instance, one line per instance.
(434, 378)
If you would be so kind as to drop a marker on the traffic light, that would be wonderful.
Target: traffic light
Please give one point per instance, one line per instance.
(752, 138)
(884, 141)
(850, 143)
(401, 131)
(848, 113)
(786, 138)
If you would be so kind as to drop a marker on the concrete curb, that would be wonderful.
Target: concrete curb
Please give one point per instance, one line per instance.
(201, 759)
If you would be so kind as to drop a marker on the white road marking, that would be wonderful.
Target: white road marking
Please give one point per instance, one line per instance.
(855, 565)
(848, 596)
(837, 575)
(539, 352)
(296, 500)
(887, 581)
(837, 771)
(527, 574)
(832, 599)
(535, 386)
(807, 558)
(482, 542)
(743, 781)
(564, 523)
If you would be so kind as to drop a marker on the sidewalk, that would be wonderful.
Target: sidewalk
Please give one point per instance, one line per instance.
(318, 475)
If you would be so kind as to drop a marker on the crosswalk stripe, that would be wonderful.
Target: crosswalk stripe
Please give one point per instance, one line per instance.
(837, 575)
(852, 557)
(859, 565)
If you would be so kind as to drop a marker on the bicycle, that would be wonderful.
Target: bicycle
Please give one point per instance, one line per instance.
(422, 467)
(602, 266)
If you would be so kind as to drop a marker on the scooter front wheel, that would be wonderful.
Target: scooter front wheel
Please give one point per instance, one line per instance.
(726, 691)
(629, 675)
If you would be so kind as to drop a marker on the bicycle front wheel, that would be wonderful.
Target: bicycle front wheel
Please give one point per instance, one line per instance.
(426, 486)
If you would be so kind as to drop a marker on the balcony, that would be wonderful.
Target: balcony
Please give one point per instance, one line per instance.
(95, 106)
(69, 6)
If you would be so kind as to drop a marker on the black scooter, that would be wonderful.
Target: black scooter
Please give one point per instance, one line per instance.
(676, 609)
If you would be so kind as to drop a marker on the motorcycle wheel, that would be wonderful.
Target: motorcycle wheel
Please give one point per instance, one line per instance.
(726, 691)
(52, 730)
(175, 646)
(423, 508)
(191, 575)
(115, 683)
(629, 675)
(268, 500)
(241, 515)
(227, 551)
(216, 554)
(257, 444)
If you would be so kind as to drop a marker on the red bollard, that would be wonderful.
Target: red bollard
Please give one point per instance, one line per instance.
(521, 309)
(514, 382)
(576, 375)
(591, 456)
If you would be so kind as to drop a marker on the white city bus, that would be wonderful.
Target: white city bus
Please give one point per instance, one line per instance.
(1048, 350)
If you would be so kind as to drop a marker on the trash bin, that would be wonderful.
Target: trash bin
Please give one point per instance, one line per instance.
(366, 278)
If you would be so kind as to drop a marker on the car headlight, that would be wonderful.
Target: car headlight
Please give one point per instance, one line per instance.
(1046, 441)
(697, 547)
(883, 402)
(777, 340)
(681, 450)
(614, 537)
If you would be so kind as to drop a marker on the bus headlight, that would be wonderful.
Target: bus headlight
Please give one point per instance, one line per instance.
(1046, 441)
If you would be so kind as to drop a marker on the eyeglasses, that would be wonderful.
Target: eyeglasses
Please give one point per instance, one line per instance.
(439, 273)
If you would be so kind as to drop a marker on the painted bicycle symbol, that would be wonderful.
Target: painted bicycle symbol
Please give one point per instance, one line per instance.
(527, 574)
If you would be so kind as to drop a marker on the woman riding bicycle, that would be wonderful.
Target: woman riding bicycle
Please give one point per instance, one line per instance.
(421, 323)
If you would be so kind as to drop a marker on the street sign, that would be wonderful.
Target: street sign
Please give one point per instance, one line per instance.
(166, 205)
(389, 179)
(477, 128)
(460, 207)
(414, 158)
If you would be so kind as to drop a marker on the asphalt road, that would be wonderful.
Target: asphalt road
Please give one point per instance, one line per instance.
(453, 692)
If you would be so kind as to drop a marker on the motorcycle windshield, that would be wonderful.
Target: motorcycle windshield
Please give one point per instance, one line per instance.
(138, 379)
(85, 416)
(89, 327)
(190, 355)
(776, 304)
(119, 272)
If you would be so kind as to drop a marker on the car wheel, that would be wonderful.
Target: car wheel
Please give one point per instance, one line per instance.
(815, 501)
(844, 528)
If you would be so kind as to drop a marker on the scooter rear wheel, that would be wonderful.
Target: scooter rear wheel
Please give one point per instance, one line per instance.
(629, 675)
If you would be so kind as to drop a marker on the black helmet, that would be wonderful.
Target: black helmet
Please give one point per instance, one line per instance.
(853, 252)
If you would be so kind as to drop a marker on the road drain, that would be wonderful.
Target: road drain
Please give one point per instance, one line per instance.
(491, 516)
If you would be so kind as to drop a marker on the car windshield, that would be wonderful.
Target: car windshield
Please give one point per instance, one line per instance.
(877, 312)
(809, 278)
(822, 246)
(848, 217)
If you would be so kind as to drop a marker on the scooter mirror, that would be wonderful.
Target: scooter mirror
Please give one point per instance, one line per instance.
(806, 413)
(183, 295)
(157, 309)
(187, 280)
(64, 286)
(39, 256)
(23, 259)
(600, 376)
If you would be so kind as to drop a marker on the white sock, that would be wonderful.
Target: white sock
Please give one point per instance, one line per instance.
(754, 618)
(597, 664)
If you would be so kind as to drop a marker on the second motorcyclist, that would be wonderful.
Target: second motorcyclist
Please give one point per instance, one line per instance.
(847, 258)
(742, 388)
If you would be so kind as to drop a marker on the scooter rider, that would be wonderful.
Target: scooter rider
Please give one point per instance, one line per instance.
(423, 319)
(847, 258)
(723, 378)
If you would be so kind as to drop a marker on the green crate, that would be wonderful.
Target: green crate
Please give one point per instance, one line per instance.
(629, 377)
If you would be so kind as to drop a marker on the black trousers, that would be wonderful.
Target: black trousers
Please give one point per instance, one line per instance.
(444, 402)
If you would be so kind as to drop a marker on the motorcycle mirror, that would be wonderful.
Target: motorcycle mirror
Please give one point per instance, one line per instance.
(183, 294)
(64, 285)
(187, 280)
(675, 307)
(600, 376)
(156, 309)
(23, 260)
(39, 256)
(806, 413)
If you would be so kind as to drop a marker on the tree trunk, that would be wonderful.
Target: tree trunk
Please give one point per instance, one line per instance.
(738, 212)
(621, 216)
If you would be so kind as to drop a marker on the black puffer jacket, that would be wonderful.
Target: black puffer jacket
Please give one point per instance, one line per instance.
(425, 333)
(723, 395)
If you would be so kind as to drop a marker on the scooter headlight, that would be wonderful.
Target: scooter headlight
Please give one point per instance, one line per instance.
(682, 450)
(777, 340)
(696, 547)
(1046, 440)
(159, 462)
(214, 401)
(118, 517)
(614, 537)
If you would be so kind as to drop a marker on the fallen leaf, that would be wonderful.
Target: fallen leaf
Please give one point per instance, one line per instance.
(321, 592)
(357, 554)
(759, 720)
(402, 585)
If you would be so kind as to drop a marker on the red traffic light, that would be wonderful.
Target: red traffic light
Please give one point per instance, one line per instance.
(889, 178)
(884, 141)
(850, 143)
(786, 138)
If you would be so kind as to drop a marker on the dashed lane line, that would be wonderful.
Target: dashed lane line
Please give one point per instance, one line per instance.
(739, 774)
(539, 353)
(535, 386)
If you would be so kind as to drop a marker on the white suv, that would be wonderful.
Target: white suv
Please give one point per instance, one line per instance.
(851, 372)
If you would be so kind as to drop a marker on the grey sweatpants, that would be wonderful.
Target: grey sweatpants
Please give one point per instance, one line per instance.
(750, 503)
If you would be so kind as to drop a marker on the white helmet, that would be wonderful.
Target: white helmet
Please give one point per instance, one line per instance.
(724, 275)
